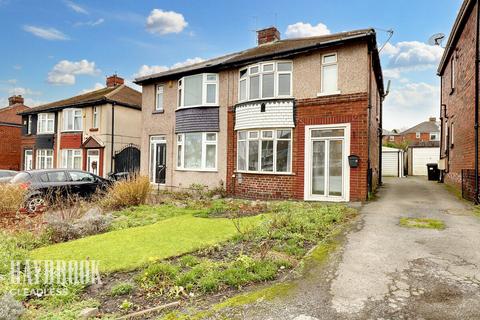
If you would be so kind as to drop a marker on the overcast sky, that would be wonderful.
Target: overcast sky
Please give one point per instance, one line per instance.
(53, 49)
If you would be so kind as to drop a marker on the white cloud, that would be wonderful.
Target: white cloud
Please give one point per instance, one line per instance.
(92, 23)
(410, 104)
(96, 87)
(301, 29)
(413, 55)
(146, 70)
(46, 33)
(75, 7)
(164, 22)
(64, 72)
(23, 91)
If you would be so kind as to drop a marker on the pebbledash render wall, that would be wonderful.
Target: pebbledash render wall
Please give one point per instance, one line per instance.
(351, 106)
(459, 152)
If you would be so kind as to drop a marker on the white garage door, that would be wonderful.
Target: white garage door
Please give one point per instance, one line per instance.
(390, 164)
(422, 156)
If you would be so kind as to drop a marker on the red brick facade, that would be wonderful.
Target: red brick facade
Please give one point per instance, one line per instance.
(352, 109)
(10, 136)
(70, 140)
(458, 104)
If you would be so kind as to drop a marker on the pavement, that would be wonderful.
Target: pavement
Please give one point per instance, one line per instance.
(387, 271)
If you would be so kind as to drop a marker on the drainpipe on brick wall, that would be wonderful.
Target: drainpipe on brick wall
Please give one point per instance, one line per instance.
(477, 49)
(112, 152)
(369, 176)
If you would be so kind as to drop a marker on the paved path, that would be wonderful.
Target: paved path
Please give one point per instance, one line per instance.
(386, 271)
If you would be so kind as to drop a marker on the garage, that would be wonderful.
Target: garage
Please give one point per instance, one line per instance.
(392, 162)
(418, 157)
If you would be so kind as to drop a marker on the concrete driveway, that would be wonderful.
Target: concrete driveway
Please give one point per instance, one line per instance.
(386, 271)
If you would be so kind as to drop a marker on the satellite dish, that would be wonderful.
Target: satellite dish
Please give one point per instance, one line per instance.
(436, 39)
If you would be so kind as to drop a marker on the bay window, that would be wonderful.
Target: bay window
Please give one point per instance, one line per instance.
(44, 159)
(72, 120)
(46, 123)
(266, 151)
(72, 159)
(329, 74)
(198, 90)
(265, 81)
(197, 151)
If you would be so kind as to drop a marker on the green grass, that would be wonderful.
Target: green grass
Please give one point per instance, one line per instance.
(423, 223)
(129, 249)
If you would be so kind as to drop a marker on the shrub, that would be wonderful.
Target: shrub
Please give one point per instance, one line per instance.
(121, 289)
(126, 305)
(158, 274)
(10, 309)
(12, 197)
(10, 249)
(128, 193)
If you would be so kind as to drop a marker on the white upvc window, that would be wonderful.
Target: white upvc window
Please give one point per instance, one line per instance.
(29, 125)
(44, 159)
(452, 134)
(72, 120)
(266, 80)
(264, 151)
(434, 136)
(159, 98)
(197, 151)
(46, 123)
(453, 70)
(198, 90)
(72, 159)
(391, 138)
(329, 77)
(95, 117)
(418, 135)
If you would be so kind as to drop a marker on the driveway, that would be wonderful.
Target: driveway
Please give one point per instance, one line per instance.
(386, 271)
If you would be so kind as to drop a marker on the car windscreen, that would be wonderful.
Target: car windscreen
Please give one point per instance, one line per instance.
(21, 178)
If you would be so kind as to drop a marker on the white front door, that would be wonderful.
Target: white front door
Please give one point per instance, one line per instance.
(327, 173)
(93, 161)
(28, 160)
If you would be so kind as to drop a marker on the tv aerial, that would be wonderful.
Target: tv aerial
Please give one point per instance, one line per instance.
(436, 39)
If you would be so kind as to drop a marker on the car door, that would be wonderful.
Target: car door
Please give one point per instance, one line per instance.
(82, 183)
(58, 183)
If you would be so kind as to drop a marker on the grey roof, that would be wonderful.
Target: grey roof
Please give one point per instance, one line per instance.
(276, 49)
(386, 132)
(424, 127)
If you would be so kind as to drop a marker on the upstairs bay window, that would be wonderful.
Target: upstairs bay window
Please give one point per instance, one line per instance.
(46, 123)
(264, 151)
(198, 90)
(197, 151)
(265, 81)
(329, 74)
(72, 120)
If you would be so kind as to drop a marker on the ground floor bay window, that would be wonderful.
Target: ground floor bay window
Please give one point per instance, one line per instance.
(44, 159)
(197, 151)
(264, 151)
(72, 159)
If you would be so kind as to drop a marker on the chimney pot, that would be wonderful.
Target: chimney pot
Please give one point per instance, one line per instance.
(267, 35)
(15, 99)
(114, 81)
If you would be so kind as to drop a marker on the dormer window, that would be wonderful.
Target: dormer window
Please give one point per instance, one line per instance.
(267, 80)
(198, 90)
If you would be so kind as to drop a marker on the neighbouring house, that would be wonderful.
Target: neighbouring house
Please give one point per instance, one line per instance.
(287, 119)
(10, 133)
(459, 109)
(423, 132)
(391, 136)
(98, 131)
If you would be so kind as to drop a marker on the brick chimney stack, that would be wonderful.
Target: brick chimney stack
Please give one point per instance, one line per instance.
(15, 99)
(267, 35)
(114, 81)
(432, 119)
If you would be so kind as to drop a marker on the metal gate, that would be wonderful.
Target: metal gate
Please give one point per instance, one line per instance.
(127, 159)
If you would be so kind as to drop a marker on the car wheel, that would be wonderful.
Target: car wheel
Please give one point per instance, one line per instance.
(36, 204)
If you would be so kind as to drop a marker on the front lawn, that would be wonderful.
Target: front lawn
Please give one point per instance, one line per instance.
(131, 248)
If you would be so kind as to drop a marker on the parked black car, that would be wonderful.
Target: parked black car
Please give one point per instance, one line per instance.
(7, 175)
(42, 185)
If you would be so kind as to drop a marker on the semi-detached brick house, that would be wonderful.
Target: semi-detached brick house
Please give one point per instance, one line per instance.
(10, 133)
(82, 132)
(277, 121)
(426, 131)
(459, 109)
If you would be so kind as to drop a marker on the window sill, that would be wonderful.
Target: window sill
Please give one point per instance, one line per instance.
(158, 112)
(266, 99)
(71, 131)
(200, 106)
(197, 170)
(326, 94)
(40, 133)
(93, 129)
(266, 173)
